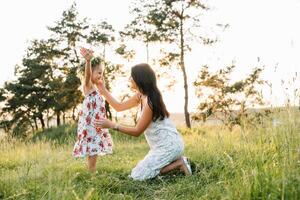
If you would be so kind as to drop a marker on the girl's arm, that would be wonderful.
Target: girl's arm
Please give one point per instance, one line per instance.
(120, 106)
(88, 55)
(143, 123)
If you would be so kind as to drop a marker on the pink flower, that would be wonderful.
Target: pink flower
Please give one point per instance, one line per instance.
(94, 105)
(88, 120)
(98, 130)
(84, 132)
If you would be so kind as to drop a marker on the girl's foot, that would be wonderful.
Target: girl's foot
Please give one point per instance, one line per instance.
(186, 166)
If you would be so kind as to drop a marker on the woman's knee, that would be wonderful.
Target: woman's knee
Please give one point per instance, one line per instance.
(139, 173)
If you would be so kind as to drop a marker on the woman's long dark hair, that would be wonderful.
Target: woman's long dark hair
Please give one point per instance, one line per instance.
(145, 79)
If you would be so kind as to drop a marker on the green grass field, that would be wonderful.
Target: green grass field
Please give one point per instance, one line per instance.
(261, 162)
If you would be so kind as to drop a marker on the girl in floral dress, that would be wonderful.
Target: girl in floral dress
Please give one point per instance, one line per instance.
(91, 141)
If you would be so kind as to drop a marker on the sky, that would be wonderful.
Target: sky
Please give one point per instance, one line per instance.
(260, 33)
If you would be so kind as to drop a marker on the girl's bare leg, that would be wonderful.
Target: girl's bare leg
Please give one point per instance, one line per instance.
(92, 163)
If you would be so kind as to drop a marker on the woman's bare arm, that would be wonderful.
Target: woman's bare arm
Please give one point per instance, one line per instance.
(143, 123)
(120, 106)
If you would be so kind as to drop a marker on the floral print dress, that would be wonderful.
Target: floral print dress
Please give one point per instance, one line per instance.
(91, 140)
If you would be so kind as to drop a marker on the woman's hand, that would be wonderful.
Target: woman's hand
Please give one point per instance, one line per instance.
(101, 85)
(104, 123)
(86, 53)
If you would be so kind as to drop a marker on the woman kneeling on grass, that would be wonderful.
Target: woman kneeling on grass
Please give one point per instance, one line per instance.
(166, 144)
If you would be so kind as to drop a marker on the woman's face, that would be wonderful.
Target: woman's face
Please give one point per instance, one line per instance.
(97, 74)
(133, 84)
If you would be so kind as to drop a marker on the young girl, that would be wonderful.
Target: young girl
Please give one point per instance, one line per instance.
(91, 141)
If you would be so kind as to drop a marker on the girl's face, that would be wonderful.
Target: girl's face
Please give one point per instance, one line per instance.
(97, 74)
(133, 84)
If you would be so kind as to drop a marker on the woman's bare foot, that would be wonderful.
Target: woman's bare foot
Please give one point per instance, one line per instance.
(185, 166)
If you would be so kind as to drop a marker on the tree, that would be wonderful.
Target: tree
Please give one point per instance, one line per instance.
(24, 104)
(69, 31)
(29, 94)
(38, 89)
(226, 101)
(172, 22)
(65, 94)
(139, 29)
(101, 34)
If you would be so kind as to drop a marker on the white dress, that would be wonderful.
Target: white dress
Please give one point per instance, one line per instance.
(166, 146)
(90, 139)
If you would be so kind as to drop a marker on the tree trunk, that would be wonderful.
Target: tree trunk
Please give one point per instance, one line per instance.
(147, 49)
(58, 118)
(42, 121)
(182, 65)
(64, 118)
(47, 118)
(104, 53)
(35, 123)
(32, 127)
(108, 112)
(75, 52)
(107, 108)
(73, 113)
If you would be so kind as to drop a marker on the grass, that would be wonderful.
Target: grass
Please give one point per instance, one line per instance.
(260, 162)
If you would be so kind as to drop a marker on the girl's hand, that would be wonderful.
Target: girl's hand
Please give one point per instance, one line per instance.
(86, 53)
(103, 123)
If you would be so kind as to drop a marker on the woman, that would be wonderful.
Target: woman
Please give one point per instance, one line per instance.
(166, 144)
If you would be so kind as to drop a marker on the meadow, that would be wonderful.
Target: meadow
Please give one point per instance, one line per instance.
(249, 162)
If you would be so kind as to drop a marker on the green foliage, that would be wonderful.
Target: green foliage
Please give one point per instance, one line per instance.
(125, 52)
(28, 95)
(102, 33)
(69, 31)
(38, 89)
(2, 94)
(228, 102)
